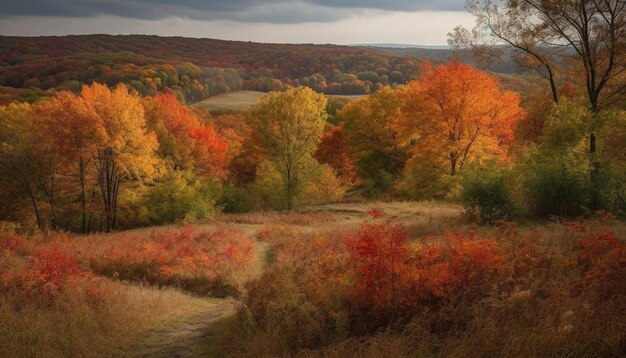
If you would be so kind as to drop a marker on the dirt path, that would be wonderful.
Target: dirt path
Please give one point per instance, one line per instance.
(188, 336)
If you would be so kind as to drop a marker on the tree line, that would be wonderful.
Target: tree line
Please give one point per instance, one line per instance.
(109, 158)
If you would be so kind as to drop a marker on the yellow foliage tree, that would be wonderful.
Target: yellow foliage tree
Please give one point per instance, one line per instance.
(289, 125)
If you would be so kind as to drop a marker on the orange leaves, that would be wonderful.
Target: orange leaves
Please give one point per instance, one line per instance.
(184, 142)
(457, 111)
(211, 150)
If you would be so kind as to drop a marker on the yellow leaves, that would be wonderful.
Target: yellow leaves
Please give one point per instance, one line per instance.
(289, 125)
(291, 121)
(121, 115)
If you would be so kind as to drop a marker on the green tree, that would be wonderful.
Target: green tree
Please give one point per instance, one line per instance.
(288, 125)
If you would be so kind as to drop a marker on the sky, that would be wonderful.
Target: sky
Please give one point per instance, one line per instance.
(422, 22)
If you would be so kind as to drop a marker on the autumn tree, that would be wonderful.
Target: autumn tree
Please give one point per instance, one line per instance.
(334, 151)
(184, 142)
(369, 131)
(126, 150)
(17, 152)
(549, 34)
(75, 131)
(288, 125)
(455, 111)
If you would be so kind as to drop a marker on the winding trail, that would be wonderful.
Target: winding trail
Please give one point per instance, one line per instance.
(189, 335)
(186, 337)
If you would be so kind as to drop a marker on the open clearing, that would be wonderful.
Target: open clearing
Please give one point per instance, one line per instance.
(138, 319)
(231, 101)
(189, 334)
(243, 100)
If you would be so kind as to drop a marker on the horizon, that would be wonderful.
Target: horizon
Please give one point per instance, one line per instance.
(373, 44)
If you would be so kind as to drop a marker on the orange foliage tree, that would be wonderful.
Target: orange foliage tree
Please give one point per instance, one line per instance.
(455, 112)
(73, 128)
(185, 143)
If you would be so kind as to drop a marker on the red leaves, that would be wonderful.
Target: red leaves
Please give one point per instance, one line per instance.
(334, 151)
(375, 213)
(183, 139)
(390, 278)
(44, 273)
(378, 253)
(165, 257)
(462, 264)
(602, 262)
(55, 267)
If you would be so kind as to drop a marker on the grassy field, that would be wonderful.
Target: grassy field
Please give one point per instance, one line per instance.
(231, 101)
(242, 100)
(289, 284)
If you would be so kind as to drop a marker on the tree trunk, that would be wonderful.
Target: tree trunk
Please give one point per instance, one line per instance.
(35, 206)
(81, 179)
(453, 164)
(109, 180)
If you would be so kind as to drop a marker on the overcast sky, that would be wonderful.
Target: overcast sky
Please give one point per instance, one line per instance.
(424, 22)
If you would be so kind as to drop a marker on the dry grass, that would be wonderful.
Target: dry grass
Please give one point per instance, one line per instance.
(530, 314)
(72, 327)
(231, 101)
(526, 314)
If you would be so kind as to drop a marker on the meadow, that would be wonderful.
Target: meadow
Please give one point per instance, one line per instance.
(238, 101)
(340, 280)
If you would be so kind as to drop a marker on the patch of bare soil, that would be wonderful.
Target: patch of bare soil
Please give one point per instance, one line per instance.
(188, 336)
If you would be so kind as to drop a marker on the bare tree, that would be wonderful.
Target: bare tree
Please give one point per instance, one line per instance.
(547, 34)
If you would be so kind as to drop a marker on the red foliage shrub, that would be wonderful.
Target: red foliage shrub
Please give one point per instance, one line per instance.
(55, 267)
(462, 266)
(195, 259)
(393, 282)
(378, 254)
(15, 243)
(601, 259)
(41, 273)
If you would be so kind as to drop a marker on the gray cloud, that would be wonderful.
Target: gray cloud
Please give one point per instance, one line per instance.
(266, 11)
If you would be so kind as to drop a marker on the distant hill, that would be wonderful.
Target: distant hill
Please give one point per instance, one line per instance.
(394, 45)
(506, 64)
(196, 69)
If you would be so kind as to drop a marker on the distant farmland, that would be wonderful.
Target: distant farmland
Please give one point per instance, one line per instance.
(242, 100)
(231, 101)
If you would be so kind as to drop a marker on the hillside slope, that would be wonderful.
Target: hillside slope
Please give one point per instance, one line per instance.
(195, 68)
(35, 67)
